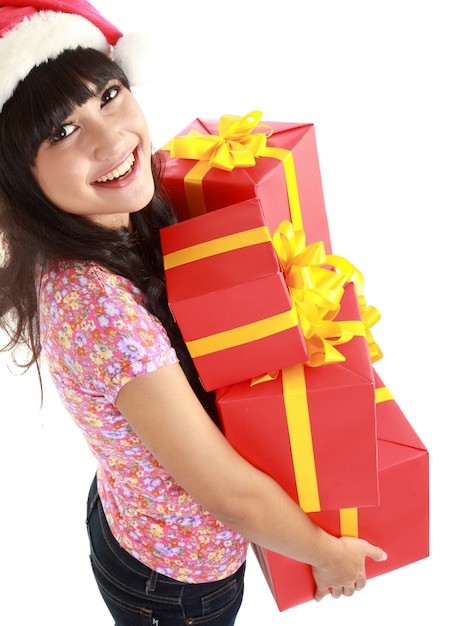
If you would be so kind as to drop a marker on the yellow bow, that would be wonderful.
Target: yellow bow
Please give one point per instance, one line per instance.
(316, 290)
(370, 315)
(236, 145)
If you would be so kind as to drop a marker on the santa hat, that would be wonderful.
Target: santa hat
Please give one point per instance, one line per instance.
(34, 31)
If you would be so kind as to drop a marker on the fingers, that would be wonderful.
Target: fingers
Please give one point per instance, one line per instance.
(337, 592)
(375, 553)
(320, 594)
(348, 590)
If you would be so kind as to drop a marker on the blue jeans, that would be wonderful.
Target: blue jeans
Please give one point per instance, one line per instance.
(137, 596)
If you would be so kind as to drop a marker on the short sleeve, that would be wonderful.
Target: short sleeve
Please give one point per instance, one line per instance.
(100, 331)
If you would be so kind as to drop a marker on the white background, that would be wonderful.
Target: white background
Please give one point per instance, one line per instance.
(389, 86)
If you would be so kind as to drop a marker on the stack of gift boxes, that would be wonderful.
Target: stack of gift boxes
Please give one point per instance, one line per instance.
(279, 327)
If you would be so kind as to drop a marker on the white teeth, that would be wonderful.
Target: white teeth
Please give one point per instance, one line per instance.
(119, 171)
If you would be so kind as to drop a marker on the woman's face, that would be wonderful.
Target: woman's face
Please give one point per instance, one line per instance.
(98, 162)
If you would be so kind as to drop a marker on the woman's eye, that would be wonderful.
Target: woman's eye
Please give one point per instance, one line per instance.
(110, 94)
(62, 132)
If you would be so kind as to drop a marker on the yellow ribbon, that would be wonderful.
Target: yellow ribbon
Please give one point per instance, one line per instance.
(349, 522)
(382, 394)
(370, 315)
(349, 518)
(316, 285)
(227, 243)
(300, 437)
(236, 145)
(246, 333)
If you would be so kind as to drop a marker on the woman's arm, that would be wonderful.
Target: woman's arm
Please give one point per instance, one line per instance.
(166, 415)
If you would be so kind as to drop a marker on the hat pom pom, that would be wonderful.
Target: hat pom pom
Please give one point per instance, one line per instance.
(134, 53)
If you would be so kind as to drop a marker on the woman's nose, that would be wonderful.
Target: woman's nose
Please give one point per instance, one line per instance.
(108, 140)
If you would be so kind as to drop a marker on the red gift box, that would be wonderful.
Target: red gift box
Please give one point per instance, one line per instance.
(283, 174)
(399, 525)
(229, 296)
(312, 428)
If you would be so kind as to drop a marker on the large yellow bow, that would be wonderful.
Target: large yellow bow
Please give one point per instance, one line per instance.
(236, 145)
(316, 285)
(370, 315)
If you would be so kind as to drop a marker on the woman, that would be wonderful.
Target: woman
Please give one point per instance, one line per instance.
(173, 506)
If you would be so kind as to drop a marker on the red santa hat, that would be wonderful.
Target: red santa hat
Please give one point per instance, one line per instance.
(34, 31)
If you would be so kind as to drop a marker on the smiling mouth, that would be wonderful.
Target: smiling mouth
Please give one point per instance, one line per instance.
(120, 172)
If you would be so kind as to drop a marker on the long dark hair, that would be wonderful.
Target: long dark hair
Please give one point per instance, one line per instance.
(33, 230)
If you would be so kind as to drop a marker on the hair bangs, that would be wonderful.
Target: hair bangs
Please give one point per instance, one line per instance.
(50, 92)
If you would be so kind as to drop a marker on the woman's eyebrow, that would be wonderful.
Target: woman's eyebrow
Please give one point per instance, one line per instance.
(96, 89)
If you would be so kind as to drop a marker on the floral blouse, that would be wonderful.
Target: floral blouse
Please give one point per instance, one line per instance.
(97, 336)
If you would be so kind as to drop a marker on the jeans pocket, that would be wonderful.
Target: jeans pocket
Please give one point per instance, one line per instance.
(221, 599)
(220, 606)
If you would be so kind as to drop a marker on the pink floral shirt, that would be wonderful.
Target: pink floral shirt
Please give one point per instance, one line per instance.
(97, 336)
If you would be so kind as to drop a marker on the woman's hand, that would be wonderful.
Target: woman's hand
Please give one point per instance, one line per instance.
(344, 572)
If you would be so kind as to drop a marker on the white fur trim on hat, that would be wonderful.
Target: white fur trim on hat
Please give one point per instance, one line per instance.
(42, 37)
(134, 53)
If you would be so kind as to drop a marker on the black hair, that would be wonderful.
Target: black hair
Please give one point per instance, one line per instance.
(33, 230)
